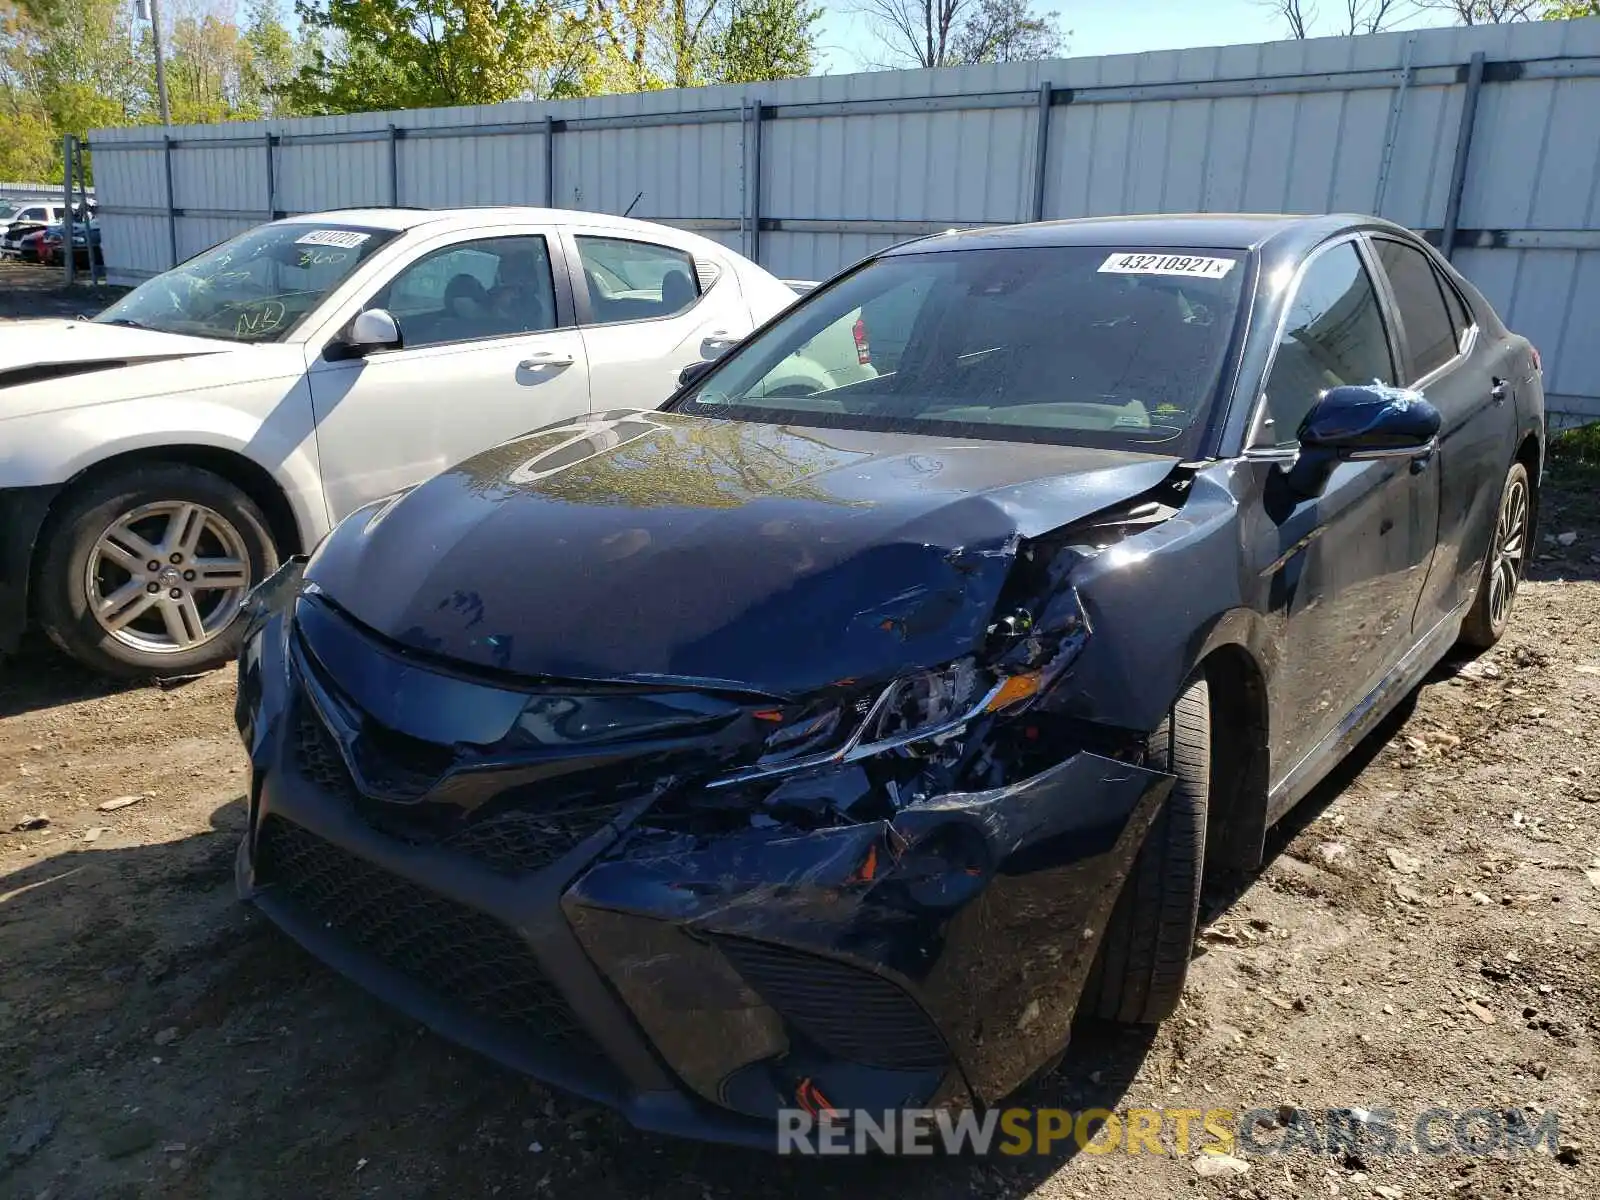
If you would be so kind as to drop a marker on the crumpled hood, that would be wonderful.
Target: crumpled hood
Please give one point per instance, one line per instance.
(775, 558)
(87, 346)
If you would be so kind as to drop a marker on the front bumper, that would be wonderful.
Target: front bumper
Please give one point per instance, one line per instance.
(694, 983)
(22, 514)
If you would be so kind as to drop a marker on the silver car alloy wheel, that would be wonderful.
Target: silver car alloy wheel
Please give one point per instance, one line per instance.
(1510, 544)
(167, 577)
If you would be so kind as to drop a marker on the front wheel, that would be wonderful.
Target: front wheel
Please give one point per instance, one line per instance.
(1139, 974)
(1504, 563)
(145, 570)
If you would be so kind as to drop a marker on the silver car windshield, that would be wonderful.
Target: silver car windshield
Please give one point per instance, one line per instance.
(1082, 345)
(255, 288)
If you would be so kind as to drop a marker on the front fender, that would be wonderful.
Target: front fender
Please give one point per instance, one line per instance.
(1158, 603)
(269, 422)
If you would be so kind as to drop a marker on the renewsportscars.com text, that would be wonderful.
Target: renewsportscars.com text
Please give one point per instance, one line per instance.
(1253, 1132)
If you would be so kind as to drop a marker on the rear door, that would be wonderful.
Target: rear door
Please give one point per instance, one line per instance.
(489, 351)
(645, 308)
(1444, 357)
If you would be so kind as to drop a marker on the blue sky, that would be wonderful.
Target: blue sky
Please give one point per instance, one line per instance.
(1098, 27)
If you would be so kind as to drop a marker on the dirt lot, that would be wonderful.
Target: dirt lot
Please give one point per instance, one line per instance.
(1426, 933)
(29, 290)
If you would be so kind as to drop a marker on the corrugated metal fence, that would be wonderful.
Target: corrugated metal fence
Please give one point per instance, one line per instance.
(1487, 138)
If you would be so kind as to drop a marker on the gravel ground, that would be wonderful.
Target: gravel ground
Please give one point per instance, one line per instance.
(29, 290)
(1427, 932)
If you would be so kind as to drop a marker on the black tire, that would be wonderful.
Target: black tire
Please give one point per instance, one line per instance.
(62, 585)
(1144, 955)
(1486, 622)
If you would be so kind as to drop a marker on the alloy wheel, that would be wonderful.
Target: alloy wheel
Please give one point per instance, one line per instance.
(167, 577)
(1510, 544)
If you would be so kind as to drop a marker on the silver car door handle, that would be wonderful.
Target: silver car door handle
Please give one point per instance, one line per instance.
(548, 358)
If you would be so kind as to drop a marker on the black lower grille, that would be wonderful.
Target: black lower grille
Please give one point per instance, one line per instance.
(317, 756)
(516, 842)
(461, 955)
(848, 1012)
(511, 842)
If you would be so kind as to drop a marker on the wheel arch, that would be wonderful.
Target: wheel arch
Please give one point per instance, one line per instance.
(1240, 761)
(1530, 453)
(243, 472)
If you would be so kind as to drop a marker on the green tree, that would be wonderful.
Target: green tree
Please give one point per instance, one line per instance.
(766, 39)
(381, 54)
(65, 67)
(1501, 12)
(269, 59)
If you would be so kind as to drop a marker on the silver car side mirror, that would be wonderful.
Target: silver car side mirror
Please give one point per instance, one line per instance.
(374, 329)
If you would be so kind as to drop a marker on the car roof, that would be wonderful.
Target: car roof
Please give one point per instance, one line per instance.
(1211, 231)
(444, 219)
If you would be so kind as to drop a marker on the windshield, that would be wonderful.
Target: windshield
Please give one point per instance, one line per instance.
(1081, 345)
(255, 288)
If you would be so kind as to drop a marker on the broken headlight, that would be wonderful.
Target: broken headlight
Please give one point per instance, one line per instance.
(926, 707)
(917, 708)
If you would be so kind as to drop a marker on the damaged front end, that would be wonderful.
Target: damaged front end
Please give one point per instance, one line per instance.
(695, 902)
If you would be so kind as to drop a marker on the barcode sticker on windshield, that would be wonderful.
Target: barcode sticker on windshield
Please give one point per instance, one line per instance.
(1168, 264)
(345, 239)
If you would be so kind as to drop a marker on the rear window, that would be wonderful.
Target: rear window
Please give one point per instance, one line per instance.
(1433, 333)
(1076, 344)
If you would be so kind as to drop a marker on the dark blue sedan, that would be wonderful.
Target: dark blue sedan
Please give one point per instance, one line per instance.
(836, 745)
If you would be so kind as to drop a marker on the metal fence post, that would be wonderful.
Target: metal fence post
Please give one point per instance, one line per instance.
(1391, 133)
(272, 194)
(753, 188)
(96, 267)
(1041, 151)
(1458, 168)
(172, 208)
(395, 134)
(549, 161)
(69, 147)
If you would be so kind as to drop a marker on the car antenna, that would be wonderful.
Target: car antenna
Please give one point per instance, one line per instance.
(636, 200)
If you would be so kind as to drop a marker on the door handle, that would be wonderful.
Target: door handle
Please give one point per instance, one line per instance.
(545, 358)
(1498, 392)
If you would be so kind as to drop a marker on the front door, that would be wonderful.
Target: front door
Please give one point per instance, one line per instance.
(1342, 571)
(484, 357)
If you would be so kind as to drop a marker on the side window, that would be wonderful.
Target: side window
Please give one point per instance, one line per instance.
(1431, 335)
(632, 281)
(32, 214)
(493, 287)
(1334, 334)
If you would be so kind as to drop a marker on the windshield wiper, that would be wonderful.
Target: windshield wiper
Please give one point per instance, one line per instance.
(128, 321)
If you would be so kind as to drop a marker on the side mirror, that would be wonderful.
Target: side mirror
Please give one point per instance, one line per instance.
(695, 372)
(375, 329)
(1357, 424)
(717, 345)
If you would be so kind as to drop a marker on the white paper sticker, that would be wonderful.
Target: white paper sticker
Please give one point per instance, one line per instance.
(345, 239)
(1168, 264)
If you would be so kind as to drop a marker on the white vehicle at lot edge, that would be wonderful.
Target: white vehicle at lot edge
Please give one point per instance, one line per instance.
(158, 461)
